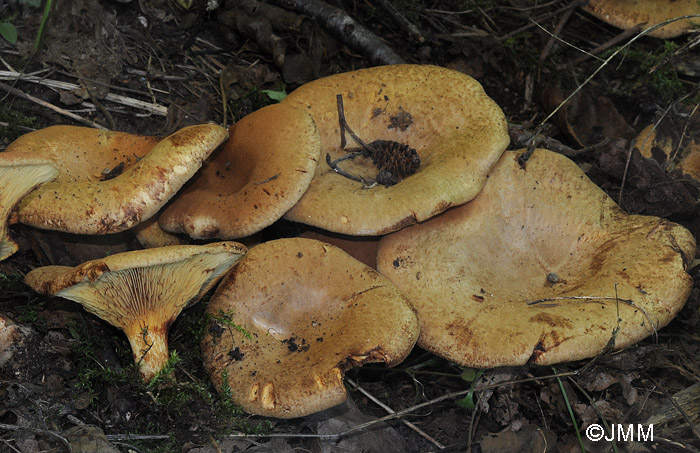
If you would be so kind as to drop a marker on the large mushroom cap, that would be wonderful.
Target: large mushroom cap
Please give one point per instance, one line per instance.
(456, 129)
(141, 292)
(109, 181)
(261, 172)
(541, 267)
(626, 14)
(18, 176)
(292, 317)
(81, 153)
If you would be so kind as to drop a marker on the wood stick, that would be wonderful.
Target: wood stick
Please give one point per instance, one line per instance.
(346, 29)
(123, 100)
(28, 97)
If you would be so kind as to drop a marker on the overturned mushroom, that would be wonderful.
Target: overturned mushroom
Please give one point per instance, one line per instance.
(18, 176)
(141, 292)
(261, 172)
(103, 184)
(542, 266)
(292, 317)
(434, 118)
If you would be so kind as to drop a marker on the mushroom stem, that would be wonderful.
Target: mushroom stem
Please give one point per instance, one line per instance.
(149, 346)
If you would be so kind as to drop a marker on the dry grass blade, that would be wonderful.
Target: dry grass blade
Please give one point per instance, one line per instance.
(123, 100)
(391, 411)
(605, 62)
(688, 400)
(396, 415)
(21, 94)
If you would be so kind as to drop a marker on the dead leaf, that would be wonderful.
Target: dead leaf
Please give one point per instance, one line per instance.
(603, 380)
(588, 119)
(529, 440)
(648, 188)
(347, 415)
(88, 439)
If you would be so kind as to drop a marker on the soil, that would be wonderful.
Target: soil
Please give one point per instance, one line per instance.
(69, 383)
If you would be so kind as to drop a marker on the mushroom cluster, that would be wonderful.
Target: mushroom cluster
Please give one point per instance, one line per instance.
(484, 256)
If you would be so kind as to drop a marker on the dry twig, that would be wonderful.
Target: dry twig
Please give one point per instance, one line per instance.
(605, 62)
(346, 29)
(389, 410)
(401, 21)
(28, 97)
(43, 432)
(57, 84)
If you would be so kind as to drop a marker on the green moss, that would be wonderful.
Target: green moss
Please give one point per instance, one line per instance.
(166, 375)
(226, 318)
(91, 374)
(12, 122)
(652, 68)
(10, 283)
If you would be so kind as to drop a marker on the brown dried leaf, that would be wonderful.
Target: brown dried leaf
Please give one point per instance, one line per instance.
(648, 189)
(588, 119)
(529, 440)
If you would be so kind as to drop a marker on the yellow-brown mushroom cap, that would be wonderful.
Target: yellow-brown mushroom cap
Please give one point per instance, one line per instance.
(653, 145)
(104, 185)
(541, 267)
(142, 291)
(150, 234)
(456, 129)
(292, 317)
(663, 147)
(259, 174)
(690, 163)
(18, 176)
(627, 14)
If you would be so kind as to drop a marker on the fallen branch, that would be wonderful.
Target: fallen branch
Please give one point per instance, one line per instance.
(346, 29)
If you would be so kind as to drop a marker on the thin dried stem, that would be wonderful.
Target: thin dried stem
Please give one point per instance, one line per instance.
(422, 433)
(524, 158)
(28, 97)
